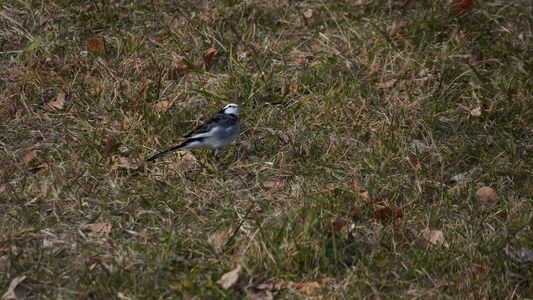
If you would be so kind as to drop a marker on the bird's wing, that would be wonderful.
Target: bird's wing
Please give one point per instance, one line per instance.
(219, 120)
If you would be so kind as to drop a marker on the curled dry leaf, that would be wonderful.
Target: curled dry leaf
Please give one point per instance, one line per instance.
(29, 157)
(100, 229)
(109, 146)
(11, 293)
(338, 224)
(162, 106)
(433, 237)
(387, 83)
(208, 57)
(219, 238)
(299, 58)
(58, 103)
(388, 214)
(417, 146)
(177, 69)
(308, 13)
(486, 193)
(310, 287)
(230, 278)
(273, 185)
(293, 87)
(123, 163)
(96, 45)
(461, 7)
(189, 160)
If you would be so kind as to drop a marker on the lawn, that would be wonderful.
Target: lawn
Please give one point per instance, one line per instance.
(386, 150)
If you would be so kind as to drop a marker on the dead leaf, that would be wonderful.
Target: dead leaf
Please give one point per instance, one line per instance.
(293, 87)
(208, 57)
(162, 106)
(96, 45)
(299, 58)
(486, 194)
(58, 103)
(189, 160)
(388, 214)
(124, 163)
(11, 293)
(272, 185)
(230, 278)
(387, 84)
(417, 146)
(476, 112)
(109, 146)
(177, 69)
(219, 238)
(338, 224)
(100, 229)
(461, 7)
(310, 287)
(433, 237)
(29, 157)
(308, 13)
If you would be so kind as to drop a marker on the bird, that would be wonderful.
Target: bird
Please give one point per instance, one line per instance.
(216, 133)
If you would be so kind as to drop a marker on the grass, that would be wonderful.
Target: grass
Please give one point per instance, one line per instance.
(322, 124)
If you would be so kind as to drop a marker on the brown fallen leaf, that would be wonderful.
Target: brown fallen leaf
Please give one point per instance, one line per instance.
(433, 237)
(299, 58)
(338, 224)
(387, 84)
(11, 293)
(58, 103)
(219, 238)
(208, 57)
(189, 160)
(96, 45)
(486, 193)
(461, 7)
(29, 157)
(293, 87)
(310, 287)
(388, 214)
(229, 279)
(162, 106)
(109, 146)
(100, 229)
(177, 69)
(124, 163)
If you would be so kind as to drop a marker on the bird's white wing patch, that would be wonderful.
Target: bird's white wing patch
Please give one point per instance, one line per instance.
(205, 134)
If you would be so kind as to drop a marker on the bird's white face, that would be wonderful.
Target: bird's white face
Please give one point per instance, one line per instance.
(231, 109)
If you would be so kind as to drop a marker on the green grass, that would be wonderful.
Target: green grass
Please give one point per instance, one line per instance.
(370, 79)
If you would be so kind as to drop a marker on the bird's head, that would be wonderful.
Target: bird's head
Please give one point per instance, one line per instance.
(230, 109)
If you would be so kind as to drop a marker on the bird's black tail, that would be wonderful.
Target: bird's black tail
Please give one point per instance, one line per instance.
(168, 151)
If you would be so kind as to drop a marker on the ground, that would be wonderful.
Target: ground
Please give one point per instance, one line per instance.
(386, 149)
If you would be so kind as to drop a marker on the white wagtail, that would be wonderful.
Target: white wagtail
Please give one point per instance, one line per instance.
(219, 131)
